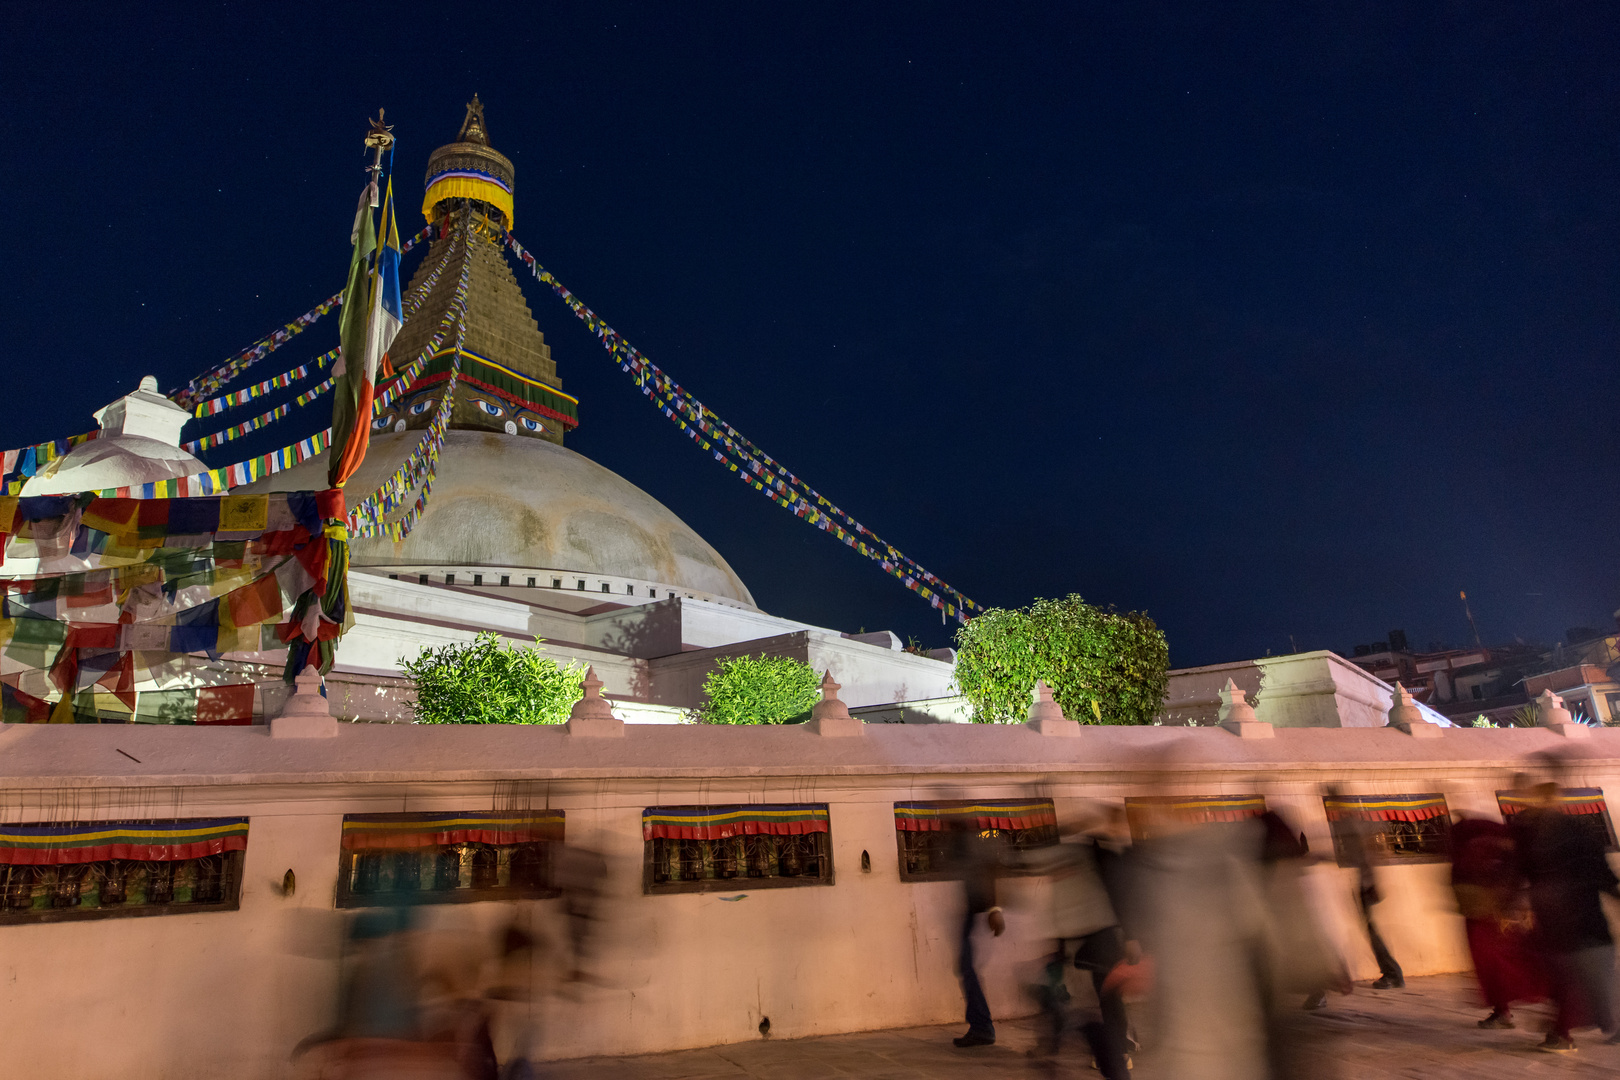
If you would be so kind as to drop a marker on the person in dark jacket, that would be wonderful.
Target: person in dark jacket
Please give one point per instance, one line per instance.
(978, 860)
(1358, 841)
(1567, 872)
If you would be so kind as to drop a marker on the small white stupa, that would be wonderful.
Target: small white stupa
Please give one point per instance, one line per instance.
(139, 444)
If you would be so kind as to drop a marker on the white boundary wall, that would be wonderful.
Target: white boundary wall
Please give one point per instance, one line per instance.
(232, 993)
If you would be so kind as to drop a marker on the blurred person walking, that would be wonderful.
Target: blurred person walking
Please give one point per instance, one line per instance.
(1496, 917)
(977, 858)
(1390, 976)
(1229, 935)
(1567, 872)
(1085, 870)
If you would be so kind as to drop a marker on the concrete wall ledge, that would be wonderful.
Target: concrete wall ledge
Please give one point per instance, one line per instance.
(46, 756)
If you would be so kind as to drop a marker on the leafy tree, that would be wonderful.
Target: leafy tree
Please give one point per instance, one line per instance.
(759, 690)
(487, 682)
(1104, 666)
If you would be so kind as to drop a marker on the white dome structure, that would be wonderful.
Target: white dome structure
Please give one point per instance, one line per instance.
(139, 444)
(531, 507)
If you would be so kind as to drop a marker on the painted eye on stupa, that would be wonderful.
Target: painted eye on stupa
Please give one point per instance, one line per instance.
(382, 423)
(489, 407)
(420, 407)
(533, 425)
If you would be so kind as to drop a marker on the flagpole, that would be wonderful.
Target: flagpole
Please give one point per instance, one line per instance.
(379, 138)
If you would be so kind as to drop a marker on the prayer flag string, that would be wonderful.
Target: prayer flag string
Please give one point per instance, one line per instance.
(216, 377)
(368, 517)
(215, 406)
(751, 464)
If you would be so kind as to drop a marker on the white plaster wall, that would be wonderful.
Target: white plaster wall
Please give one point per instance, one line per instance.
(231, 993)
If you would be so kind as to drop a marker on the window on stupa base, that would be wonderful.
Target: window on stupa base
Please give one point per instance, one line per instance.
(67, 871)
(579, 585)
(629, 590)
(606, 587)
(724, 848)
(935, 838)
(506, 579)
(449, 579)
(1390, 829)
(478, 579)
(556, 583)
(1584, 805)
(447, 858)
(531, 583)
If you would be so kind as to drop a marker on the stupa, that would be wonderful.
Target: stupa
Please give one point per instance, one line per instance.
(526, 538)
(509, 501)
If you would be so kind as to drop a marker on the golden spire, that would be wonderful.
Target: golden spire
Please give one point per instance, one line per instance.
(472, 128)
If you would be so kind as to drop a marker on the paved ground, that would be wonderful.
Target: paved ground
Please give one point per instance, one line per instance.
(1426, 1030)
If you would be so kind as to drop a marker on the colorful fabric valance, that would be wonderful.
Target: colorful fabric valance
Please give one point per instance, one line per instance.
(467, 184)
(404, 832)
(724, 822)
(1588, 800)
(1201, 809)
(973, 814)
(92, 841)
(1384, 807)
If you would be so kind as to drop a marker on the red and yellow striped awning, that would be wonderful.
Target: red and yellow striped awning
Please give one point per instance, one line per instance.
(1384, 807)
(724, 822)
(1200, 809)
(974, 814)
(1587, 800)
(94, 841)
(401, 832)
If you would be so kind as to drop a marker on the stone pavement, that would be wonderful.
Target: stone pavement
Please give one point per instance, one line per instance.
(1426, 1031)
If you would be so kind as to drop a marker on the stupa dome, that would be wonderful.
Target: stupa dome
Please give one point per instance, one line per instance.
(504, 501)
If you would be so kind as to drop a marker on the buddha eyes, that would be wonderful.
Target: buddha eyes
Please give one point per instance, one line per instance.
(382, 422)
(533, 425)
(491, 409)
(420, 407)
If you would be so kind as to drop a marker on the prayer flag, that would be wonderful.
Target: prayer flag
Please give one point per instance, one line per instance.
(354, 386)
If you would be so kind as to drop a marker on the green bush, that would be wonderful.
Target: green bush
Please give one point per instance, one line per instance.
(759, 690)
(486, 682)
(1104, 666)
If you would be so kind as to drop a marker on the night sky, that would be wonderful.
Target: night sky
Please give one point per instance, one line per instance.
(1282, 324)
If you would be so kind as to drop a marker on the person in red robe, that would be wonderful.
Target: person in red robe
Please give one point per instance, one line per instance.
(1496, 912)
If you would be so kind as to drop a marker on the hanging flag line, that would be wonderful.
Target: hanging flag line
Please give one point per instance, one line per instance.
(215, 406)
(457, 309)
(367, 517)
(16, 466)
(236, 431)
(211, 380)
(218, 481)
(753, 466)
(419, 469)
